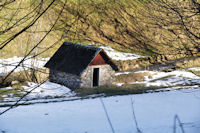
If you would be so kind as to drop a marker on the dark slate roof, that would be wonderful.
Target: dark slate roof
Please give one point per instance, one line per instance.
(73, 58)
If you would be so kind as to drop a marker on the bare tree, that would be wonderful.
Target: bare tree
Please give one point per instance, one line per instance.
(155, 27)
(174, 25)
(20, 21)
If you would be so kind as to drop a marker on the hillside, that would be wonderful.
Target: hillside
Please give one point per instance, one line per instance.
(151, 28)
(155, 45)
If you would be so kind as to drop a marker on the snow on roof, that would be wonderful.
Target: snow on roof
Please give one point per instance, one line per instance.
(120, 55)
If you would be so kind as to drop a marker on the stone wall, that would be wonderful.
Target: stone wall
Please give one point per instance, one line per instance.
(69, 80)
(106, 76)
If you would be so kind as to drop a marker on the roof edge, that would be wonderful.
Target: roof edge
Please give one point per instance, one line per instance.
(114, 67)
(97, 52)
(82, 45)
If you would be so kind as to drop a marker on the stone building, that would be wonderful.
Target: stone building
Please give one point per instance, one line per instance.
(78, 66)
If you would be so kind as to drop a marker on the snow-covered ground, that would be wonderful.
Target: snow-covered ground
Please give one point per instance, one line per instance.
(7, 65)
(154, 113)
(194, 69)
(119, 73)
(47, 90)
(156, 78)
(120, 55)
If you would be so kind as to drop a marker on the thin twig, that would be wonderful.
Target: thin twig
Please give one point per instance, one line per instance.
(2, 45)
(134, 117)
(34, 46)
(177, 119)
(107, 116)
(16, 103)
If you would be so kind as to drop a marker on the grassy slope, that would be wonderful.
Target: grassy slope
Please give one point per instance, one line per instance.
(22, 44)
(124, 25)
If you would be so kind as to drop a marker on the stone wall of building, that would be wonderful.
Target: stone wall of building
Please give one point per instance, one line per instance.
(69, 80)
(106, 76)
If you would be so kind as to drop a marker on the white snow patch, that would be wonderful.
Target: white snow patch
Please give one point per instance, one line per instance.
(154, 113)
(7, 65)
(44, 91)
(119, 84)
(120, 55)
(8, 88)
(176, 88)
(157, 75)
(119, 73)
(194, 69)
(169, 78)
(47, 89)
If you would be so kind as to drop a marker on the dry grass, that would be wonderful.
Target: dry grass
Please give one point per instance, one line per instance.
(126, 65)
(131, 77)
(115, 90)
(189, 63)
(195, 72)
(163, 78)
(30, 75)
